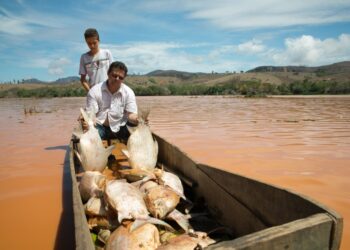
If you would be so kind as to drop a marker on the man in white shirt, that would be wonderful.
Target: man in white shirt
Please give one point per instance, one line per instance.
(114, 104)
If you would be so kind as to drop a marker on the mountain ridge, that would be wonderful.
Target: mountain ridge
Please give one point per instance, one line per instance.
(324, 70)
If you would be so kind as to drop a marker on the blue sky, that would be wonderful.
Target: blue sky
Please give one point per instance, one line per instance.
(44, 39)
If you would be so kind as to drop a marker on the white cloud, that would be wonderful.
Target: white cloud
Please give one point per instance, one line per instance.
(144, 57)
(25, 20)
(13, 26)
(56, 67)
(251, 47)
(310, 51)
(254, 14)
(36, 62)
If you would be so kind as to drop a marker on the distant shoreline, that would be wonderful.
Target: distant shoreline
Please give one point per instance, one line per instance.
(228, 85)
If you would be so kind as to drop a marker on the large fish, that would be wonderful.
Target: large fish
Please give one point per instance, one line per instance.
(171, 180)
(91, 185)
(95, 207)
(92, 153)
(142, 148)
(161, 200)
(145, 237)
(128, 201)
(195, 240)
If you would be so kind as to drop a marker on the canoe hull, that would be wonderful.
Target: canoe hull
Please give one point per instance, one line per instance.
(260, 216)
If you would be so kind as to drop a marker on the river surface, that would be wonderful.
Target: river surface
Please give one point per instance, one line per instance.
(298, 143)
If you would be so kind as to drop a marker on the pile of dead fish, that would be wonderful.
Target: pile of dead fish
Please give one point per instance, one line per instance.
(137, 209)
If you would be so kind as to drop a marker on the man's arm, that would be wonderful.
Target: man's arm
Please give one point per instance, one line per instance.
(132, 117)
(84, 83)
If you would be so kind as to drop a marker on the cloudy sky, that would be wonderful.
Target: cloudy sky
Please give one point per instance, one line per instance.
(44, 39)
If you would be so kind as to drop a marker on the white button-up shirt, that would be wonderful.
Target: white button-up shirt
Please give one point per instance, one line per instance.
(112, 106)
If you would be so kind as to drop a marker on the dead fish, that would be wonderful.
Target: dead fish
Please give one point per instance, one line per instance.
(145, 237)
(181, 219)
(109, 222)
(100, 222)
(92, 153)
(196, 240)
(128, 201)
(95, 207)
(103, 235)
(171, 180)
(136, 174)
(165, 236)
(142, 148)
(91, 185)
(161, 200)
(145, 187)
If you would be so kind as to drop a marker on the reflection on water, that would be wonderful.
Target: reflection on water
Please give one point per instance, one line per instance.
(299, 143)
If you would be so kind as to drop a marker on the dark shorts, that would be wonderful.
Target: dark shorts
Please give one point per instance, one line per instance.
(106, 133)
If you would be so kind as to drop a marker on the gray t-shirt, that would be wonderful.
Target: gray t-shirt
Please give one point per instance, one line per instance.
(96, 66)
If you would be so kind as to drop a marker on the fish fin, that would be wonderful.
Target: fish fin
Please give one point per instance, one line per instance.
(143, 113)
(160, 222)
(155, 148)
(89, 116)
(78, 156)
(77, 135)
(85, 115)
(122, 216)
(136, 224)
(131, 129)
(139, 183)
(126, 153)
(180, 218)
(181, 195)
(109, 150)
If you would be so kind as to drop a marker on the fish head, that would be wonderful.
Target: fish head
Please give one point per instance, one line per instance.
(161, 209)
(161, 201)
(202, 238)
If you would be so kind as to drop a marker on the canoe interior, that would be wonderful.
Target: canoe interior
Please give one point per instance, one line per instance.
(239, 212)
(254, 211)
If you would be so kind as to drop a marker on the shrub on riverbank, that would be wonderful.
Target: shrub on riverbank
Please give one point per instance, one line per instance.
(47, 91)
(246, 88)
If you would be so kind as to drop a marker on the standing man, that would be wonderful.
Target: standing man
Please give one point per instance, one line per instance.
(95, 62)
(114, 104)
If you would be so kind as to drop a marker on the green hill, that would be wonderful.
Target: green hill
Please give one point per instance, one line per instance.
(264, 80)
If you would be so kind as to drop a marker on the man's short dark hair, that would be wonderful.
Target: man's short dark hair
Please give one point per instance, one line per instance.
(91, 32)
(118, 65)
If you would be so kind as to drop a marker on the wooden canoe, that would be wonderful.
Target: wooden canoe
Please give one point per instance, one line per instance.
(258, 215)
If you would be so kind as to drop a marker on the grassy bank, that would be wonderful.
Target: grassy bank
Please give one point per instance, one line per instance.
(230, 87)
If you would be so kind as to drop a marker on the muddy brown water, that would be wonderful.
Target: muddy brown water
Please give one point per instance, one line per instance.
(299, 143)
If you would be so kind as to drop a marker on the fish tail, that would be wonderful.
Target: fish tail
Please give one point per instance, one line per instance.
(139, 222)
(143, 113)
(89, 116)
(160, 222)
(181, 219)
(109, 150)
(85, 115)
(126, 153)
